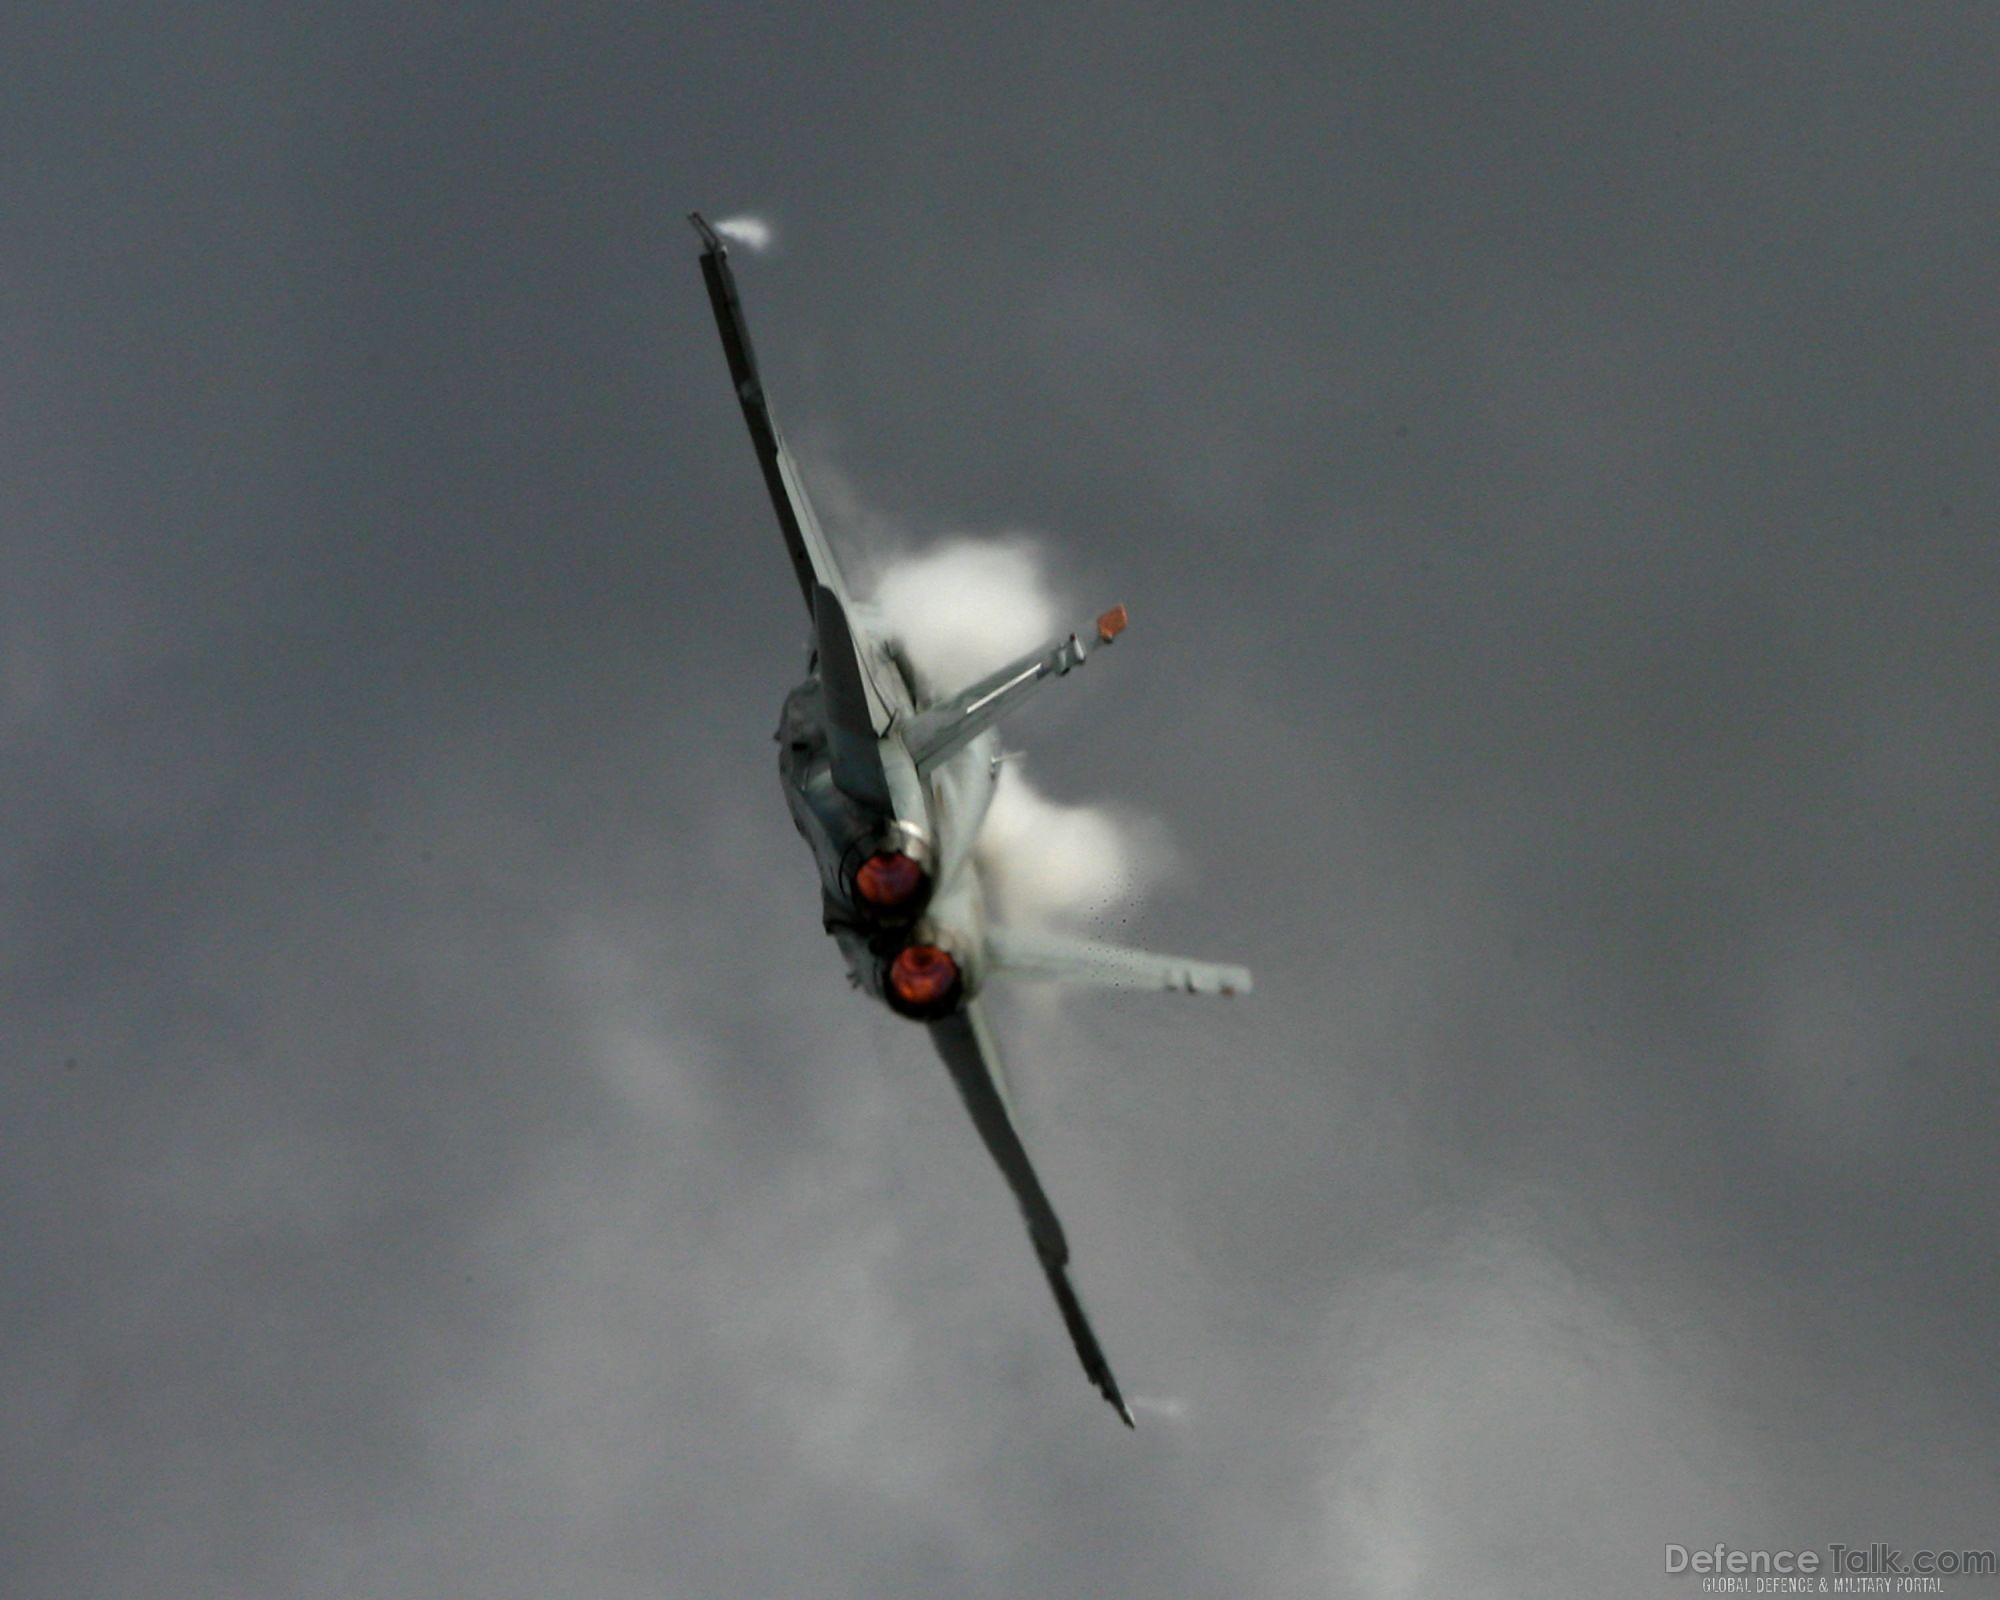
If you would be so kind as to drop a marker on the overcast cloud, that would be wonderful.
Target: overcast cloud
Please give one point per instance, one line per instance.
(1551, 460)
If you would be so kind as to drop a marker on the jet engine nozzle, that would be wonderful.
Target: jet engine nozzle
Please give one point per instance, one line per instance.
(924, 982)
(891, 883)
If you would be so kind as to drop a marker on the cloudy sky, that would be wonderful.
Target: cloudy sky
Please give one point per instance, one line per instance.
(1553, 464)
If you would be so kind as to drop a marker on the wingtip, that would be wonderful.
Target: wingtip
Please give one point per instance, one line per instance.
(709, 236)
(1114, 1397)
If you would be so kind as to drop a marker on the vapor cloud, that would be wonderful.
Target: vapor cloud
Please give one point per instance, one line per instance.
(1048, 862)
(753, 233)
(959, 611)
(966, 607)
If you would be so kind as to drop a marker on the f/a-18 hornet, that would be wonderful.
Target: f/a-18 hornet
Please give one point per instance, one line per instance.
(890, 786)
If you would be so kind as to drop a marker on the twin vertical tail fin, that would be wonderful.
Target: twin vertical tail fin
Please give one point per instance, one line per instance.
(850, 719)
(946, 728)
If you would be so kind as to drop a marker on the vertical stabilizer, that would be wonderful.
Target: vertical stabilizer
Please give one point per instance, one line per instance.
(857, 758)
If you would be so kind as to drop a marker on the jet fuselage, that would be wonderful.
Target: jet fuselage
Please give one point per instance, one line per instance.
(867, 854)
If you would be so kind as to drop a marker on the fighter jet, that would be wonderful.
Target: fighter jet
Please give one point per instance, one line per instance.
(889, 787)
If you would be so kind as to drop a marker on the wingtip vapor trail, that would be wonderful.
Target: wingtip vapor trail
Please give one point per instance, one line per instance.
(753, 233)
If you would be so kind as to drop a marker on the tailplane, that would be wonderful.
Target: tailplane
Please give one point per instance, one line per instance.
(1059, 958)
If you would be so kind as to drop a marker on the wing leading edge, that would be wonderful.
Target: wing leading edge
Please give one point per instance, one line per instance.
(812, 557)
(966, 1043)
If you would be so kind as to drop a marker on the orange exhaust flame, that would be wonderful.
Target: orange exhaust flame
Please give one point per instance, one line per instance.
(1111, 624)
(889, 881)
(922, 976)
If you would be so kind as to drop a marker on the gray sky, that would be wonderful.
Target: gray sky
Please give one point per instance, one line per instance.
(1552, 463)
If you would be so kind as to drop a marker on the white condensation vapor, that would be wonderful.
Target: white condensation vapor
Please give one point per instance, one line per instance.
(753, 233)
(959, 611)
(965, 607)
(1045, 862)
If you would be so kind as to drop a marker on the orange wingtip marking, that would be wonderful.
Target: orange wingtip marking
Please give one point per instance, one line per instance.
(1112, 623)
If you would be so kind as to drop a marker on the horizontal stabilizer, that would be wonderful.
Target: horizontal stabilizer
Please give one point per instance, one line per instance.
(1058, 958)
(946, 728)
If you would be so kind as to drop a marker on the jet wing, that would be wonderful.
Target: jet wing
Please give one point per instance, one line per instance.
(812, 557)
(966, 1043)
